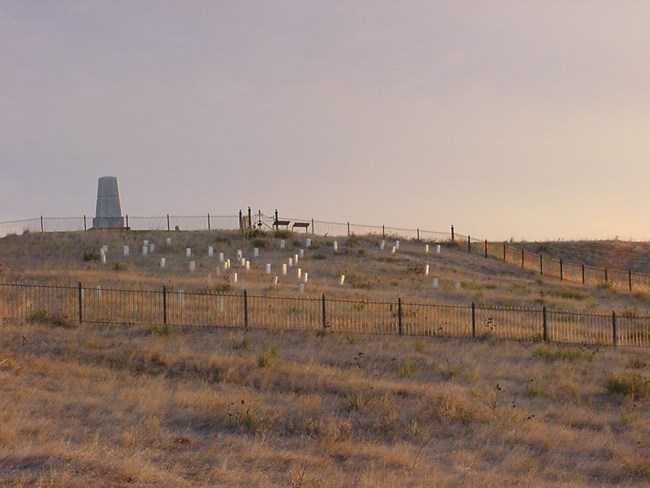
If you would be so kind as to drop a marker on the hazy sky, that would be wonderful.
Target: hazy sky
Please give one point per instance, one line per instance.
(505, 118)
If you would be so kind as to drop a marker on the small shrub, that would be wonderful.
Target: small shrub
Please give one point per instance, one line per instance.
(244, 344)
(419, 346)
(322, 332)
(267, 358)
(636, 363)
(91, 255)
(405, 369)
(282, 234)
(163, 330)
(356, 401)
(416, 268)
(319, 256)
(56, 319)
(352, 340)
(568, 293)
(630, 383)
(449, 371)
(260, 243)
(534, 389)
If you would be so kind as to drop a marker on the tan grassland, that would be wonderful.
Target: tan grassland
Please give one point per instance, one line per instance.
(99, 405)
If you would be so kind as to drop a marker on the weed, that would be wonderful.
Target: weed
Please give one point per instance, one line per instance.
(534, 389)
(636, 363)
(405, 369)
(243, 419)
(242, 345)
(267, 358)
(163, 330)
(356, 400)
(352, 340)
(553, 353)
(282, 234)
(91, 255)
(259, 243)
(322, 332)
(419, 346)
(630, 383)
(319, 256)
(449, 371)
(568, 293)
(416, 268)
(56, 319)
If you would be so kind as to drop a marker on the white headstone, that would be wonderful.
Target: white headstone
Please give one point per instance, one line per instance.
(426, 249)
(105, 248)
(268, 268)
(393, 250)
(290, 262)
(152, 248)
(248, 265)
(457, 285)
(126, 250)
(299, 273)
(275, 281)
(168, 241)
(438, 248)
(192, 266)
(426, 270)
(434, 282)
(396, 244)
(307, 242)
(145, 243)
(301, 288)
(306, 277)
(342, 280)
(221, 258)
(163, 262)
(240, 254)
(234, 277)
(210, 251)
(217, 271)
(145, 250)
(103, 258)
(382, 245)
(283, 244)
(256, 252)
(301, 253)
(336, 246)
(284, 269)
(188, 252)
(295, 259)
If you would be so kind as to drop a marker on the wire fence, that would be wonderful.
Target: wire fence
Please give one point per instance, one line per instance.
(544, 265)
(70, 305)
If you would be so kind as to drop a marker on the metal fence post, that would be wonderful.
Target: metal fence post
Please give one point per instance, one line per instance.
(522, 258)
(544, 324)
(561, 271)
(469, 244)
(313, 227)
(42, 226)
(324, 314)
(169, 224)
(583, 274)
(80, 296)
(383, 232)
(473, 320)
(614, 329)
(245, 310)
(209, 222)
(400, 324)
(452, 232)
(418, 233)
(486, 254)
(85, 226)
(164, 297)
(629, 278)
(348, 229)
(606, 279)
(504, 251)
(127, 221)
(541, 264)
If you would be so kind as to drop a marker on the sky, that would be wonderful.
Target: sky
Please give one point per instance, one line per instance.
(508, 119)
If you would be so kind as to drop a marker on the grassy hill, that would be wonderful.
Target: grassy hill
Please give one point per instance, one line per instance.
(150, 406)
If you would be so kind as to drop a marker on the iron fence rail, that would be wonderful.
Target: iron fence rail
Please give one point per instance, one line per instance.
(67, 305)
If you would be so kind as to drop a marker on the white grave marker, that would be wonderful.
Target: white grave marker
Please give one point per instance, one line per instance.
(152, 248)
(301, 288)
(308, 242)
(275, 281)
(210, 251)
(382, 245)
(168, 241)
(126, 250)
(438, 248)
(299, 273)
(192, 266)
(336, 246)
(457, 285)
(217, 271)
(145, 250)
(393, 250)
(221, 258)
(306, 276)
(268, 268)
(426, 249)
(396, 244)
(240, 254)
(301, 253)
(188, 252)
(434, 282)
(342, 280)
(284, 269)
(295, 258)
(256, 252)
(248, 265)
(103, 258)
(163, 262)
(283, 244)
(291, 262)
(426, 270)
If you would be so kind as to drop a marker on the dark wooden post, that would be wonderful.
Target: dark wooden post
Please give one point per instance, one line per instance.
(614, 329)
(544, 324)
(606, 279)
(164, 297)
(629, 278)
(452, 233)
(522, 258)
(486, 248)
(209, 222)
(348, 229)
(169, 223)
(469, 244)
(473, 320)
(561, 271)
(504, 251)
(383, 232)
(275, 224)
(313, 227)
(583, 274)
(42, 226)
(80, 296)
(127, 220)
(245, 310)
(85, 224)
(324, 314)
(400, 324)
(541, 265)
(418, 233)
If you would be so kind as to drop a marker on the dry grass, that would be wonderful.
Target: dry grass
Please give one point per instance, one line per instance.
(112, 406)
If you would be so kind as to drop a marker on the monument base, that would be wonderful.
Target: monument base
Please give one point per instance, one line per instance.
(108, 223)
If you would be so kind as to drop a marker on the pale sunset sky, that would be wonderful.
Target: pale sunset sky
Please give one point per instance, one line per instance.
(522, 119)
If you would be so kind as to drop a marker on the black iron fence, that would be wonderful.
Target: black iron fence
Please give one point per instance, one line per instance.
(69, 305)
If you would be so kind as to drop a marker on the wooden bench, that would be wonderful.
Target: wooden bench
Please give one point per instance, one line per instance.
(284, 223)
(304, 225)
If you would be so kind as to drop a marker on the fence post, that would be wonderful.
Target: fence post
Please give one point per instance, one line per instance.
(348, 229)
(473, 320)
(606, 279)
(42, 226)
(541, 264)
(383, 232)
(127, 221)
(313, 228)
(614, 329)
(583, 274)
(629, 278)
(168, 223)
(80, 296)
(504, 252)
(452, 232)
(561, 271)
(400, 323)
(418, 233)
(85, 226)
(544, 324)
(246, 310)
(522, 258)
(164, 297)
(324, 314)
(209, 222)
(469, 244)
(486, 248)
